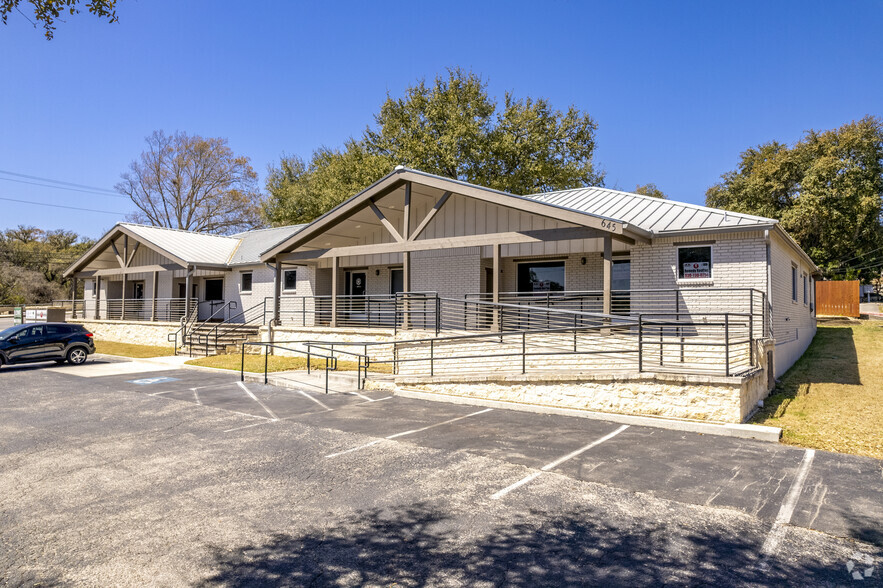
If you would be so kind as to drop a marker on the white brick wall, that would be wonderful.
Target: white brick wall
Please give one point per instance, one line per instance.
(794, 324)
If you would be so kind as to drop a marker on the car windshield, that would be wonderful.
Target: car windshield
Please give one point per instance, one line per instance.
(7, 333)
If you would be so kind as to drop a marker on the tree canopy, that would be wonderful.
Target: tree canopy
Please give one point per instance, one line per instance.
(827, 191)
(192, 183)
(650, 190)
(32, 261)
(450, 127)
(46, 12)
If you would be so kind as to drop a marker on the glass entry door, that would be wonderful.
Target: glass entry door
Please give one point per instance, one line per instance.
(355, 288)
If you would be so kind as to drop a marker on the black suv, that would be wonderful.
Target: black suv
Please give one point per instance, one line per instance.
(45, 342)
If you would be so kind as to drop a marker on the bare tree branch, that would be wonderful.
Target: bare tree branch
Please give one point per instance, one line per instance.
(192, 183)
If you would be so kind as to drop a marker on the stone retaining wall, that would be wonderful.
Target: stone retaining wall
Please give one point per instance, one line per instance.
(706, 398)
(139, 333)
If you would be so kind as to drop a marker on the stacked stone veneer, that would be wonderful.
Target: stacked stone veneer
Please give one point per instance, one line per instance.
(139, 333)
(710, 398)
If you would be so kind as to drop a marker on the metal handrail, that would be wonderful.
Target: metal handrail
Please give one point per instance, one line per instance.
(642, 340)
(330, 360)
(186, 321)
(231, 325)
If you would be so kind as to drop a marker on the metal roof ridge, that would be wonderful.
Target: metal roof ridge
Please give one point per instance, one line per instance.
(250, 231)
(185, 231)
(645, 197)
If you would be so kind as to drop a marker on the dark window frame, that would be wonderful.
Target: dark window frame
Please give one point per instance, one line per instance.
(680, 263)
(555, 263)
(285, 287)
(242, 287)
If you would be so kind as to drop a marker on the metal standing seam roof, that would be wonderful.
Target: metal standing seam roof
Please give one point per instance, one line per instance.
(195, 248)
(253, 243)
(655, 215)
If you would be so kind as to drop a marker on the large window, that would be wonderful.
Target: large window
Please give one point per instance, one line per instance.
(694, 263)
(805, 301)
(541, 276)
(794, 283)
(245, 282)
(289, 282)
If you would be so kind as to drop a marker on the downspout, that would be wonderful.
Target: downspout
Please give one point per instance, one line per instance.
(769, 283)
(771, 356)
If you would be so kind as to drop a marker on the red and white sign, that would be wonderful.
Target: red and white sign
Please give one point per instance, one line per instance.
(697, 269)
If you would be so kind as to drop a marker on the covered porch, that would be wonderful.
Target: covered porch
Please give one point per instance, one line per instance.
(132, 275)
(415, 233)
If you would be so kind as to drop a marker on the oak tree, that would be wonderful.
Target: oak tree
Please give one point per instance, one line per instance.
(450, 127)
(827, 191)
(192, 183)
(46, 12)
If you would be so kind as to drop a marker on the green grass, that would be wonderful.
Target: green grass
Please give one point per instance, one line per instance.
(832, 398)
(132, 350)
(276, 363)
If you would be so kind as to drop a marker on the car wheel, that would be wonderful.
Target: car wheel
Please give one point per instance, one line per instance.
(77, 355)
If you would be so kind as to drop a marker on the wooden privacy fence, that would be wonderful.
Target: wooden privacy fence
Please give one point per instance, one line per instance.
(838, 298)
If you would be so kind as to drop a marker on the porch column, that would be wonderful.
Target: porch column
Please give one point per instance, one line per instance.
(123, 302)
(155, 288)
(608, 274)
(277, 293)
(495, 295)
(335, 269)
(97, 297)
(125, 259)
(74, 299)
(187, 293)
(406, 288)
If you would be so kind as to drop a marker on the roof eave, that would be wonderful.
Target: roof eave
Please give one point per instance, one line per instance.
(394, 179)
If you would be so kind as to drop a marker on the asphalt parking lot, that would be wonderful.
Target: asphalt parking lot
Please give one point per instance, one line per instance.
(126, 473)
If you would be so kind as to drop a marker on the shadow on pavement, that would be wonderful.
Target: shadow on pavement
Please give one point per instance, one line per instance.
(420, 546)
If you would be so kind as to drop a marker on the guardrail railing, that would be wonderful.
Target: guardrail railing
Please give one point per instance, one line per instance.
(713, 344)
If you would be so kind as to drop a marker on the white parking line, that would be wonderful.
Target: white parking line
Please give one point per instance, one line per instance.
(196, 396)
(354, 448)
(264, 422)
(374, 400)
(256, 399)
(556, 463)
(787, 509)
(316, 400)
(411, 432)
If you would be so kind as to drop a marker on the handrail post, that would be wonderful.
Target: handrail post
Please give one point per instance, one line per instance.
(266, 359)
(751, 339)
(431, 358)
(574, 333)
(727, 343)
(750, 310)
(438, 316)
(308, 358)
(242, 367)
(524, 352)
(640, 343)
(326, 375)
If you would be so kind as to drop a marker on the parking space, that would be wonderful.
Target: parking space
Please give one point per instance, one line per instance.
(842, 495)
(751, 476)
(342, 438)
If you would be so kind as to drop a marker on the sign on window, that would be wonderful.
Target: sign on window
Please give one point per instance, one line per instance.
(697, 269)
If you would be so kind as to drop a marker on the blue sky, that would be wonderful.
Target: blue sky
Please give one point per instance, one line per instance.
(678, 89)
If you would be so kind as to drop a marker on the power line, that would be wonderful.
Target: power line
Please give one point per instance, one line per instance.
(842, 263)
(62, 206)
(101, 193)
(9, 173)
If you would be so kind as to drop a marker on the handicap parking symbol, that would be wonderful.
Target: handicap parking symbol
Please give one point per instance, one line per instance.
(146, 381)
